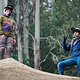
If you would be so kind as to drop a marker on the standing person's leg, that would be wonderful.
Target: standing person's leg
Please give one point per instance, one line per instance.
(78, 65)
(2, 45)
(64, 64)
(9, 47)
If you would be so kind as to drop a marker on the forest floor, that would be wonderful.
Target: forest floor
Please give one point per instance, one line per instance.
(11, 69)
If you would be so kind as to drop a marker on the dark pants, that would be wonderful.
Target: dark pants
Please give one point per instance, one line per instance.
(6, 46)
(68, 63)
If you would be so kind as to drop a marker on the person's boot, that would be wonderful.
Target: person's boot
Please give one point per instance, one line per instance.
(2, 51)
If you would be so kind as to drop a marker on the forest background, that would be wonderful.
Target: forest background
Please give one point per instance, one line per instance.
(41, 26)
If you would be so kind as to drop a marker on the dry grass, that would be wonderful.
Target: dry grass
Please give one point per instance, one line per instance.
(11, 69)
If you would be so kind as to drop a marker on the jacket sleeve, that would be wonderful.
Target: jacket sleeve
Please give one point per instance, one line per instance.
(14, 29)
(1, 21)
(66, 46)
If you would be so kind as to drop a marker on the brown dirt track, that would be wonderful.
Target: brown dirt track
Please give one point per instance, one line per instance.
(11, 69)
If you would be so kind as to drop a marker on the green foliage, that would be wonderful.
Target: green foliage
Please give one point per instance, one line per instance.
(66, 14)
(54, 25)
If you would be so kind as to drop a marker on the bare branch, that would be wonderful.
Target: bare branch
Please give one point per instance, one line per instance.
(44, 59)
(54, 58)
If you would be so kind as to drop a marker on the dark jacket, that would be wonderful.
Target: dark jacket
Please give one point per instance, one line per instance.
(74, 48)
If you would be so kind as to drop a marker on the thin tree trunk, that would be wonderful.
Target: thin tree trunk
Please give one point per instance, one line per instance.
(25, 30)
(37, 36)
(3, 3)
(18, 35)
(52, 6)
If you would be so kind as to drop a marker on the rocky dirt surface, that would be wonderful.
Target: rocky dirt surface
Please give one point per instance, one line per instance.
(11, 69)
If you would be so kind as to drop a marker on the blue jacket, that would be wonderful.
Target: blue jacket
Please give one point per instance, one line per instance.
(74, 48)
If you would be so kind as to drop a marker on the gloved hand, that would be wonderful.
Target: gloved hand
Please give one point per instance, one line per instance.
(64, 43)
(64, 39)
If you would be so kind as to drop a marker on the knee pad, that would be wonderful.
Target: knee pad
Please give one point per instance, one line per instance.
(9, 49)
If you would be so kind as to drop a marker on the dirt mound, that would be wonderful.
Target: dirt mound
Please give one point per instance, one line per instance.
(11, 69)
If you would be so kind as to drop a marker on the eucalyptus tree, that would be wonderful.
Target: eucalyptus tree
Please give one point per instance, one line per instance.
(25, 30)
(3, 3)
(18, 27)
(37, 36)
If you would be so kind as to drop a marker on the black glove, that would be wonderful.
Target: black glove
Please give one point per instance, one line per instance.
(64, 39)
(64, 43)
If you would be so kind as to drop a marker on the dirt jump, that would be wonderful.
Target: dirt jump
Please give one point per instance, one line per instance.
(11, 69)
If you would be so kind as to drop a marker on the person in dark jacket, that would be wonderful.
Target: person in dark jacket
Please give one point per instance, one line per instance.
(74, 47)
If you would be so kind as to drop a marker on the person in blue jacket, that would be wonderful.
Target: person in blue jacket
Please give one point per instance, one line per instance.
(74, 47)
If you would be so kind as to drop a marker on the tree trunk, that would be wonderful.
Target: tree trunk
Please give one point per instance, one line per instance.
(3, 3)
(25, 30)
(18, 33)
(37, 36)
(52, 6)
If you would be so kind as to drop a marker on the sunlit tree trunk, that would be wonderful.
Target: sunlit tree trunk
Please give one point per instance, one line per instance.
(18, 33)
(25, 30)
(37, 36)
